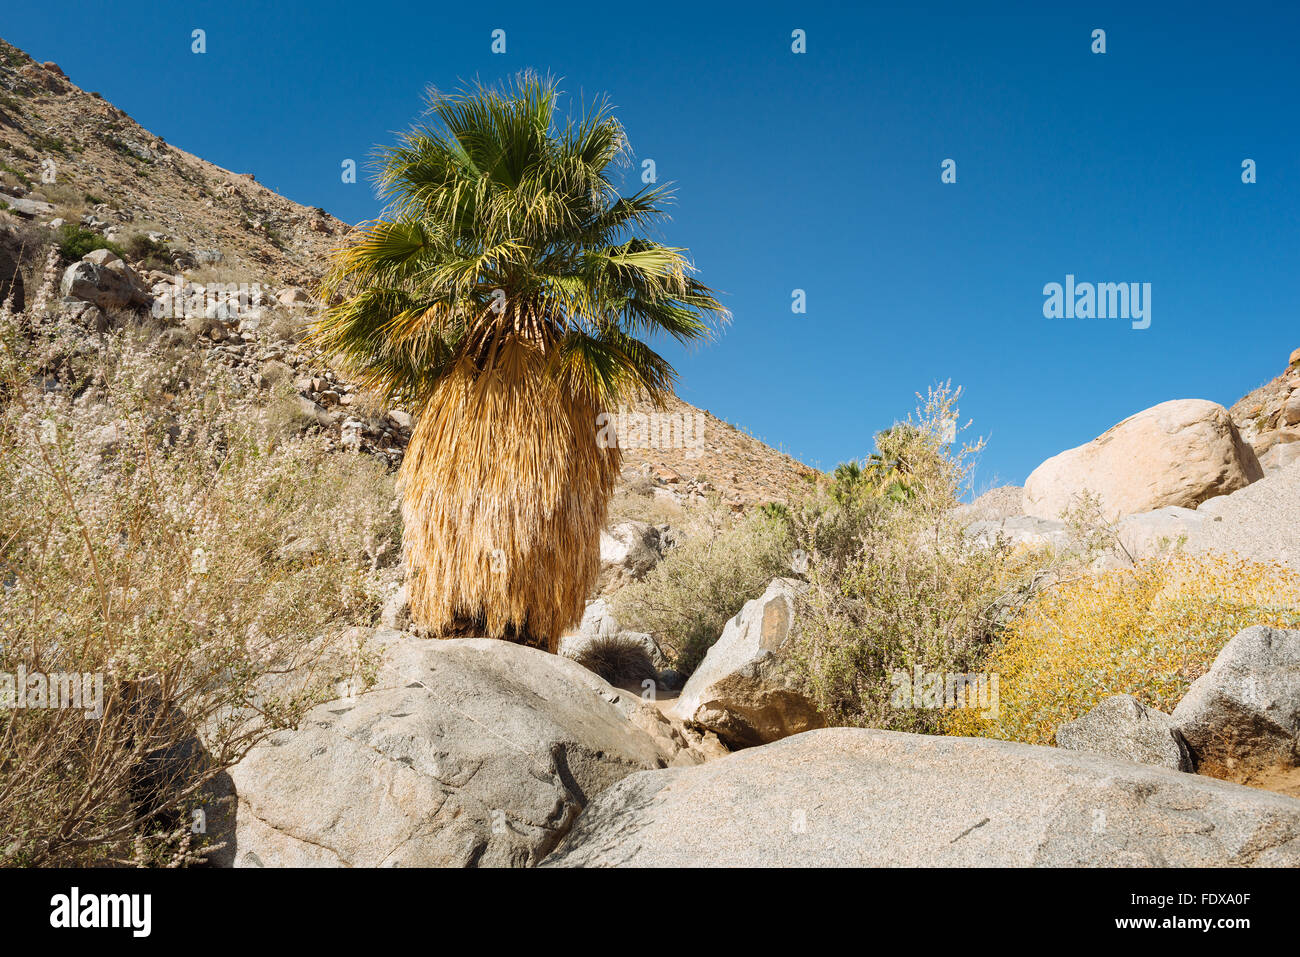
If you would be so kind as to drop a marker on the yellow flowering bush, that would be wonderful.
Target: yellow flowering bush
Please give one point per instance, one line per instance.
(1148, 631)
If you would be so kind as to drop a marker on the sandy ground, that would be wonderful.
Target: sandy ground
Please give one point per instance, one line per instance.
(663, 699)
(1282, 780)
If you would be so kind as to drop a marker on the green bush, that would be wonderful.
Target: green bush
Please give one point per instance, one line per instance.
(75, 242)
(154, 254)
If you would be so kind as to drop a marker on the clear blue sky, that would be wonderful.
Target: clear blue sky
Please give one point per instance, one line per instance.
(821, 171)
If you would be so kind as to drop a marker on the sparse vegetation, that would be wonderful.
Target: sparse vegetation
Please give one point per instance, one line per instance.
(47, 143)
(617, 659)
(154, 254)
(168, 538)
(895, 583)
(75, 241)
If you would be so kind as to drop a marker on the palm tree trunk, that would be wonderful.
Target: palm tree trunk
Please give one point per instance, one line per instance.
(504, 492)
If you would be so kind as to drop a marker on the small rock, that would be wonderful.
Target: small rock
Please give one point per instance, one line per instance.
(1123, 727)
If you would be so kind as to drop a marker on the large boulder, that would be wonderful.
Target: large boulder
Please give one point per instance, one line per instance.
(1261, 522)
(466, 752)
(846, 797)
(1123, 727)
(743, 690)
(1176, 453)
(1243, 715)
(102, 278)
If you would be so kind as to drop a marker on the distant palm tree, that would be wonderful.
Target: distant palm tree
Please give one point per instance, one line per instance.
(504, 295)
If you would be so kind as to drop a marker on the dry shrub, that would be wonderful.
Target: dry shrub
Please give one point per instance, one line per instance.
(636, 501)
(895, 583)
(1148, 631)
(145, 508)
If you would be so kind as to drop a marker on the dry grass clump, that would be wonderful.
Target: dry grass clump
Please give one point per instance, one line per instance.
(1148, 631)
(617, 659)
(145, 507)
(636, 501)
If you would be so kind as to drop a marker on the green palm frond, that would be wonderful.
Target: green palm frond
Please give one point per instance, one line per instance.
(503, 223)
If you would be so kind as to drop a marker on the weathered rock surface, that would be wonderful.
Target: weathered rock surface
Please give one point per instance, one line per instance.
(1261, 522)
(466, 752)
(1021, 530)
(858, 798)
(1122, 727)
(1244, 713)
(30, 208)
(1151, 533)
(628, 550)
(743, 691)
(1279, 456)
(1177, 453)
(105, 280)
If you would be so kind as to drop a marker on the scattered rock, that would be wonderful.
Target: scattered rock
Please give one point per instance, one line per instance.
(1122, 727)
(311, 410)
(293, 297)
(627, 551)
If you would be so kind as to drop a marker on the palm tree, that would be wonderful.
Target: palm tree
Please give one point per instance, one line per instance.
(505, 295)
